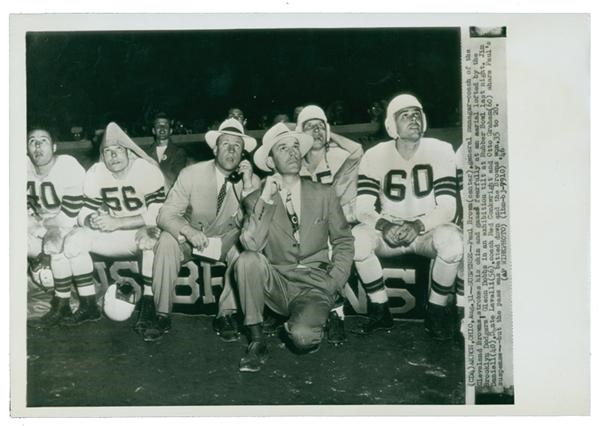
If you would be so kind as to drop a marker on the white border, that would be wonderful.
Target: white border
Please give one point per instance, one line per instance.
(536, 45)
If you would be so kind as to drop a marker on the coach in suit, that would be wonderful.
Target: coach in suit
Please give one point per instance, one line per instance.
(170, 157)
(203, 203)
(286, 265)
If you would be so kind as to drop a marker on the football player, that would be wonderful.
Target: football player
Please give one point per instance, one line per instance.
(414, 179)
(332, 160)
(122, 195)
(54, 198)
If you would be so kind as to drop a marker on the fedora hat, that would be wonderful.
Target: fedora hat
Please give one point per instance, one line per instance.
(276, 133)
(230, 127)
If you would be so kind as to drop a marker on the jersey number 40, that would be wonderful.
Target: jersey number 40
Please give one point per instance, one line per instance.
(47, 196)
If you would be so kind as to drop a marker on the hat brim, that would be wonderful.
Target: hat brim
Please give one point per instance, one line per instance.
(212, 136)
(262, 153)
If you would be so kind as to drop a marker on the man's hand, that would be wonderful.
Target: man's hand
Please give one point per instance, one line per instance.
(245, 168)
(408, 232)
(104, 222)
(389, 231)
(195, 237)
(272, 187)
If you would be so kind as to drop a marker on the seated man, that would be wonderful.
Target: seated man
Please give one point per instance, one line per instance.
(203, 203)
(414, 179)
(333, 160)
(287, 230)
(122, 196)
(54, 198)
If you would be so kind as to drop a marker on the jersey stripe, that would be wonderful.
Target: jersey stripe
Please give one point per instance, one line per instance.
(157, 196)
(92, 203)
(367, 191)
(445, 192)
(367, 178)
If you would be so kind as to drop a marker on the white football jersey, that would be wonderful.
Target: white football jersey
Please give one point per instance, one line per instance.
(406, 189)
(59, 191)
(131, 195)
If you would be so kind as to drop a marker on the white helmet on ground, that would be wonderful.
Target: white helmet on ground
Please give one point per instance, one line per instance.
(119, 301)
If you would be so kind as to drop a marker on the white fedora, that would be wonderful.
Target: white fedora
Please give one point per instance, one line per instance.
(276, 133)
(230, 127)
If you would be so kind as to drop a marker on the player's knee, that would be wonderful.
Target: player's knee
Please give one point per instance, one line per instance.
(363, 247)
(448, 243)
(53, 241)
(76, 243)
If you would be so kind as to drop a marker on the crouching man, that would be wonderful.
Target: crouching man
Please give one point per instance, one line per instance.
(286, 265)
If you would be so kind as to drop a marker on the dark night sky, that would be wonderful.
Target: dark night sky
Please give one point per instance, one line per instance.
(89, 78)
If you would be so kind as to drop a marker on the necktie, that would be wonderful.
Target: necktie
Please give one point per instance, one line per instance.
(289, 207)
(221, 196)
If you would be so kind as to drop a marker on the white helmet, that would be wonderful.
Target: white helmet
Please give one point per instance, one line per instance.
(400, 102)
(311, 112)
(119, 300)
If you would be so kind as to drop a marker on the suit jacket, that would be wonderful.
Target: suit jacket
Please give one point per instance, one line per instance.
(267, 228)
(193, 201)
(174, 160)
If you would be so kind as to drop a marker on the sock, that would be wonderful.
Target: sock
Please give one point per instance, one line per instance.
(147, 286)
(62, 287)
(379, 296)
(84, 284)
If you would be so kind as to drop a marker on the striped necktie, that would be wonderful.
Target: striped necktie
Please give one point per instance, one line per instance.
(221, 196)
(292, 215)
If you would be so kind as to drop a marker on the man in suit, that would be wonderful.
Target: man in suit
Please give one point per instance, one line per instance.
(170, 157)
(203, 203)
(286, 265)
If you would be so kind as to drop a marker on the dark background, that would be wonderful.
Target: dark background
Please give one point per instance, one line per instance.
(90, 78)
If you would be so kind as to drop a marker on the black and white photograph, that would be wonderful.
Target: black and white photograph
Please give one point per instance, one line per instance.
(266, 216)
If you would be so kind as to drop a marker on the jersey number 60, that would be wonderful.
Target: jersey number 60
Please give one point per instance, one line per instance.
(422, 178)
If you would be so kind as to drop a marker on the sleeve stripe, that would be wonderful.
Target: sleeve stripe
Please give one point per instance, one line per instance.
(445, 192)
(73, 197)
(158, 193)
(156, 197)
(72, 205)
(365, 177)
(97, 202)
(69, 213)
(366, 191)
(368, 185)
(446, 179)
(155, 201)
(445, 186)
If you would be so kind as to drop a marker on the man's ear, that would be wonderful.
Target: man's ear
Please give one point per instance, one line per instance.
(53, 148)
(170, 131)
(216, 150)
(153, 131)
(270, 163)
